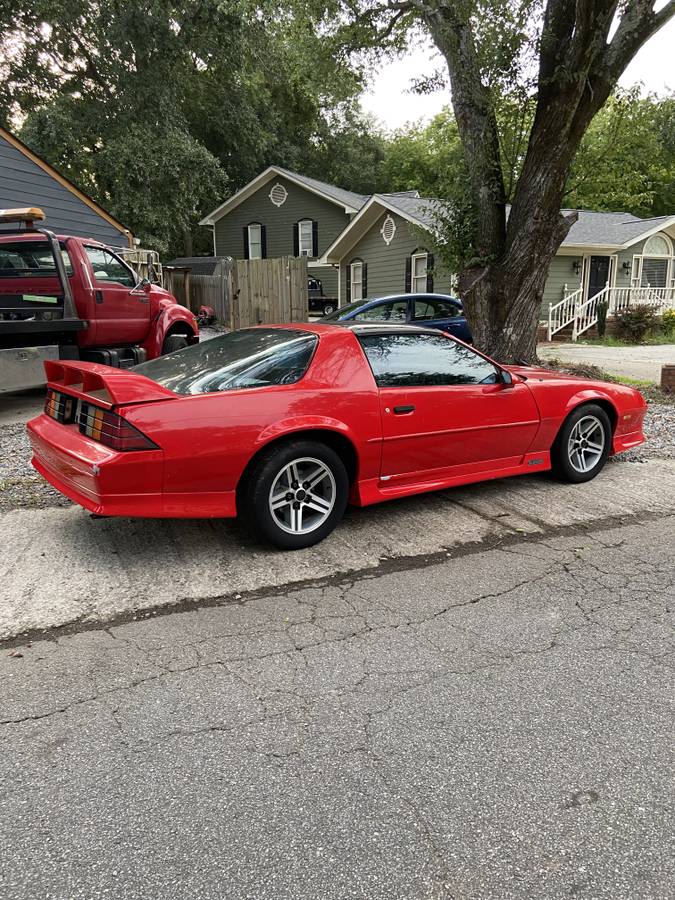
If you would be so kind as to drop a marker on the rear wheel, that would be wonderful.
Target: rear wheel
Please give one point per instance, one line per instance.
(295, 495)
(583, 444)
(174, 342)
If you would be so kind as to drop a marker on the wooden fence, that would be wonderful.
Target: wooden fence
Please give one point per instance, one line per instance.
(269, 290)
(250, 292)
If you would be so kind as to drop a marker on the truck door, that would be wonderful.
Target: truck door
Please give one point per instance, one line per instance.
(121, 310)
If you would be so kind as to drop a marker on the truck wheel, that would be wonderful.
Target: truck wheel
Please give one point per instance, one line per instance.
(174, 342)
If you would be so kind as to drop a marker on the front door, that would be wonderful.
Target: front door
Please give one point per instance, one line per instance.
(598, 274)
(444, 408)
(122, 311)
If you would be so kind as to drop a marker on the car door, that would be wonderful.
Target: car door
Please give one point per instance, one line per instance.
(440, 312)
(122, 310)
(445, 408)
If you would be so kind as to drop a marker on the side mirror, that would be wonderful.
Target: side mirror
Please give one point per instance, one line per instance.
(507, 378)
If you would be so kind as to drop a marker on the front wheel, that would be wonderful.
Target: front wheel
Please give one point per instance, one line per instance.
(583, 444)
(295, 495)
(173, 343)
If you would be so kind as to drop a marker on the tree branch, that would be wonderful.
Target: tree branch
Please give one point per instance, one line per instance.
(638, 23)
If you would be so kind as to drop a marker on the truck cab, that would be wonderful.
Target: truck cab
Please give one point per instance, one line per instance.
(64, 297)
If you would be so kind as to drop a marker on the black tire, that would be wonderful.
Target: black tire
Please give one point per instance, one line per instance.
(268, 472)
(567, 452)
(328, 309)
(174, 342)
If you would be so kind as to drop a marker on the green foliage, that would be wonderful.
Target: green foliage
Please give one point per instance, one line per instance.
(636, 322)
(626, 161)
(159, 109)
(668, 323)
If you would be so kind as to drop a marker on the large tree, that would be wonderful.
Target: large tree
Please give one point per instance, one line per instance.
(158, 109)
(560, 59)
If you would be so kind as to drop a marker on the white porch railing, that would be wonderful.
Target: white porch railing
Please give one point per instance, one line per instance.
(562, 314)
(583, 314)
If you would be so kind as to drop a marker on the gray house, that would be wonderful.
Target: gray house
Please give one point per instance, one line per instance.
(27, 180)
(617, 258)
(281, 213)
(364, 247)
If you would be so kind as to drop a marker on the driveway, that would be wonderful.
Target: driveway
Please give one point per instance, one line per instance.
(642, 363)
(489, 722)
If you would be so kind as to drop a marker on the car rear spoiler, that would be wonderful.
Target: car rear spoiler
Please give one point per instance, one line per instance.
(103, 385)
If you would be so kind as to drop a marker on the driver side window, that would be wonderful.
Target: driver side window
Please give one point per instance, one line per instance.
(109, 268)
(424, 360)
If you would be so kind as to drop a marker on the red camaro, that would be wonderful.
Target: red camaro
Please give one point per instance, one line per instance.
(284, 425)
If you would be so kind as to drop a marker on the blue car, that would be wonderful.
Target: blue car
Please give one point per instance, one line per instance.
(431, 310)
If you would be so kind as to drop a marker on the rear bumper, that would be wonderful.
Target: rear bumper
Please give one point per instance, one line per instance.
(109, 483)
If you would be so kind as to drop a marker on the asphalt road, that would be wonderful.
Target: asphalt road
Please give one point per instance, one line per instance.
(491, 723)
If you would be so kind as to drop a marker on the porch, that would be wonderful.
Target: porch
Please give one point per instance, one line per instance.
(581, 312)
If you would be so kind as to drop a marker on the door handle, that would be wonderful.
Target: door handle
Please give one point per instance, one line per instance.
(403, 410)
(99, 296)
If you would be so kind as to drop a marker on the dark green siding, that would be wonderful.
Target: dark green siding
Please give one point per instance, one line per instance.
(386, 263)
(279, 222)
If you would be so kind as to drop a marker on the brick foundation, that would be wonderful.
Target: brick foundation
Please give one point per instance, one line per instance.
(668, 378)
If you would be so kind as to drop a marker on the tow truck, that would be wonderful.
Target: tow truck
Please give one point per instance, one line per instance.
(65, 297)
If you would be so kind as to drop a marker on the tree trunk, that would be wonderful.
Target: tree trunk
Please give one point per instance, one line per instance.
(187, 241)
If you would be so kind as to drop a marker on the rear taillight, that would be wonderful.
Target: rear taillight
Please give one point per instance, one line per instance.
(60, 406)
(112, 430)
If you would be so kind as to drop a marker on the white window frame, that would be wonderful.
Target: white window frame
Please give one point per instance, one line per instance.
(306, 248)
(353, 268)
(251, 229)
(669, 257)
(415, 278)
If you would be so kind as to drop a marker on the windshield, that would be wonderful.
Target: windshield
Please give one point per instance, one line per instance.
(343, 310)
(255, 357)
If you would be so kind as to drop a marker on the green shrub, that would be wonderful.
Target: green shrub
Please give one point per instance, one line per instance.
(635, 322)
(668, 322)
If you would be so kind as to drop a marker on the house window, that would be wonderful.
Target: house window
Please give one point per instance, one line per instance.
(419, 273)
(278, 194)
(655, 262)
(357, 280)
(305, 237)
(255, 241)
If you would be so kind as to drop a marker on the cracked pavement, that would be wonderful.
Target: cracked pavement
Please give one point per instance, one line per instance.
(492, 720)
(63, 568)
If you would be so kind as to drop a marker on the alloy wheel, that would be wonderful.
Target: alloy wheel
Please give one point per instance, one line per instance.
(586, 444)
(302, 495)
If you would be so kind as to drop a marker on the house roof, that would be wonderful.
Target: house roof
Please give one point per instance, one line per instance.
(419, 211)
(65, 182)
(611, 229)
(198, 265)
(348, 200)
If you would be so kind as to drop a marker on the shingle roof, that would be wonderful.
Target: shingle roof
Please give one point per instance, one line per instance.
(614, 228)
(198, 265)
(347, 198)
(424, 209)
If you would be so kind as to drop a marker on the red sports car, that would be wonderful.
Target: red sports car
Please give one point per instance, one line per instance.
(283, 425)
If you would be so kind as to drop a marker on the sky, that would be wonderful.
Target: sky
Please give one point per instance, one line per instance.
(390, 101)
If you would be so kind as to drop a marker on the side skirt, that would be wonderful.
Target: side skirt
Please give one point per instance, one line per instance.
(374, 490)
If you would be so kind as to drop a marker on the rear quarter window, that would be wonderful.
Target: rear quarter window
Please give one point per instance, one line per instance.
(255, 357)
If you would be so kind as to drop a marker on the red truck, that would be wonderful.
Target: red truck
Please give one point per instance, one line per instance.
(67, 297)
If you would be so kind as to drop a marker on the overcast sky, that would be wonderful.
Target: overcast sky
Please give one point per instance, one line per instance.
(389, 100)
